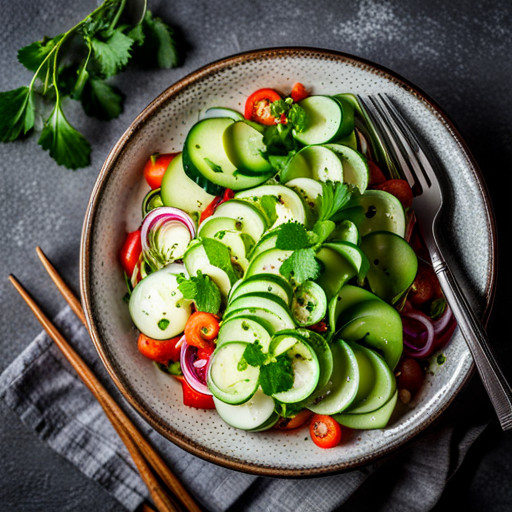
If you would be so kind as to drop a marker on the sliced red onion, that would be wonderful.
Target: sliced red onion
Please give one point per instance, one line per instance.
(195, 376)
(443, 320)
(426, 346)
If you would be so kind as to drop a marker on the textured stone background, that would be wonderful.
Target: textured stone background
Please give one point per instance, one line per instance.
(458, 52)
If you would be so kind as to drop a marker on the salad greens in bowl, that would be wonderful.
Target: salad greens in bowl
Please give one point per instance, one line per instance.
(280, 312)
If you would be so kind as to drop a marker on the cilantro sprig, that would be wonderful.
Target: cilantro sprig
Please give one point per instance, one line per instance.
(78, 64)
(202, 290)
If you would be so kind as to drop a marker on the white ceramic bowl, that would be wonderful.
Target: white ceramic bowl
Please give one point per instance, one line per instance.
(468, 229)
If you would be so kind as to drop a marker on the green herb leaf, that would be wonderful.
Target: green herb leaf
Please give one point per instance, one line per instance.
(202, 290)
(268, 205)
(335, 197)
(277, 376)
(101, 100)
(300, 266)
(292, 236)
(33, 55)
(65, 144)
(17, 113)
(437, 308)
(254, 355)
(219, 256)
(112, 54)
(297, 118)
(323, 229)
(212, 165)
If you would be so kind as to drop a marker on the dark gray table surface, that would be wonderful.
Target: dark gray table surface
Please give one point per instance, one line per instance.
(459, 52)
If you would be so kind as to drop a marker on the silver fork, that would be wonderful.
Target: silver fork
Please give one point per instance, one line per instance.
(405, 148)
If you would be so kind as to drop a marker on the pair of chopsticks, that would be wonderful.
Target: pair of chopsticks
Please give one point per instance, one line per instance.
(148, 461)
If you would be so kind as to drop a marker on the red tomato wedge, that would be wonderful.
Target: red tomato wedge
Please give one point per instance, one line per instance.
(155, 168)
(257, 106)
(325, 431)
(193, 398)
(130, 252)
(161, 351)
(376, 175)
(299, 92)
(400, 189)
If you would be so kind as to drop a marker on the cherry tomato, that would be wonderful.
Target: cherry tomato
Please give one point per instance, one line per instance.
(409, 375)
(376, 175)
(201, 329)
(299, 92)
(295, 422)
(130, 252)
(325, 431)
(400, 189)
(193, 398)
(425, 286)
(155, 168)
(161, 351)
(257, 106)
(320, 327)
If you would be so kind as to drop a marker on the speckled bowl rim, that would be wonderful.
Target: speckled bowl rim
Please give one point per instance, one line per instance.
(126, 389)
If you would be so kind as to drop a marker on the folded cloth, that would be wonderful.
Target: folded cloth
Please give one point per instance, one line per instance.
(42, 388)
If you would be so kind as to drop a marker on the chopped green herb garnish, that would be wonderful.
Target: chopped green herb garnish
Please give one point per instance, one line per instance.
(163, 324)
(277, 376)
(301, 265)
(441, 359)
(202, 290)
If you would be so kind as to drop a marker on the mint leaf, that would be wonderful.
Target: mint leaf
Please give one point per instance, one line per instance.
(202, 290)
(101, 100)
(254, 355)
(277, 376)
(219, 256)
(65, 144)
(300, 266)
(113, 54)
(292, 236)
(17, 113)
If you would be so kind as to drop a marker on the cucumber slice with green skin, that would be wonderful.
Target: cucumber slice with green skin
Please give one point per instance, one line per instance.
(315, 162)
(212, 225)
(376, 383)
(324, 120)
(221, 112)
(354, 255)
(355, 166)
(344, 382)
(269, 283)
(289, 207)
(381, 212)
(369, 420)
(345, 231)
(347, 126)
(377, 324)
(229, 381)
(349, 140)
(195, 259)
(323, 352)
(309, 304)
(152, 200)
(205, 160)
(252, 221)
(249, 330)
(255, 415)
(274, 321)
(267, 241)
(309, 190)
(180, 191)
(259, 300)
(239, 245)
(157, 307)
(306, 371)
(393, 264)
(245, 147)
(337, 270)
(267, 262)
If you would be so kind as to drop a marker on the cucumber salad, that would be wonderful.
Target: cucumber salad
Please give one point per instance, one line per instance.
(278, 272)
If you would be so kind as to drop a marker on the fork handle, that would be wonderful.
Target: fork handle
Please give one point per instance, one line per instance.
(494, 381)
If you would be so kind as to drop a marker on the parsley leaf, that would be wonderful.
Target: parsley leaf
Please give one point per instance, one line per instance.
(292, 236)
(334, 197)
(294, 114)
(65, 144)
(112, 54)
(277, 376)
(301, 265)
(17, 113)
(202, 290)
(323, 230)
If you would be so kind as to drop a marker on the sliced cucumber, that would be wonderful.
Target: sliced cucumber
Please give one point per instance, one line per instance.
(369, 420)
(377, 324)
(245, 147)
(267, 262)
(269, 283)
(274, 321)
(249, 330)
(316, 162)
(324, 120)
(259, 300)
(221, 112)
(289, 207)
(355, 166)
(252, 221)
(205, 160)
(393, 264)
(228, 380)
(309, 190)
(152, 200)
(212, 225)
(157, 307)
(266, 242)
(342, 387)
(254, 415)
(306, 372)
(180, 191)
(347, 125)
(309, 304)
(349, 140)
(346, 231)
(239, 245)
(337, 270)
(354, 255)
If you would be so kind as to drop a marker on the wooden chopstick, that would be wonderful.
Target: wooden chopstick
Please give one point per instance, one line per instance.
(161, 500)
(158, 464)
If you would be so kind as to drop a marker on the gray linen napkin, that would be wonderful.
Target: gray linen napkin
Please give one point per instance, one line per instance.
(42, 388)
